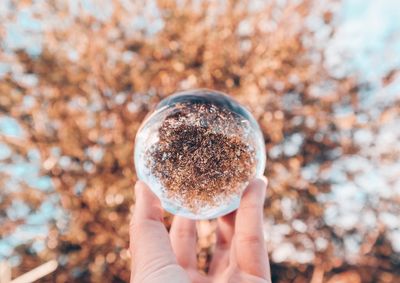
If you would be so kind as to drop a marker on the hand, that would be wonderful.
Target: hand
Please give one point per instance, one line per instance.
(240, 254)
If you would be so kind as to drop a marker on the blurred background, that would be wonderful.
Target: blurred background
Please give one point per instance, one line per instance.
(322, 78)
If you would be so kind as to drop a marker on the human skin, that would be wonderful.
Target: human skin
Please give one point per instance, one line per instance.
(240, 254)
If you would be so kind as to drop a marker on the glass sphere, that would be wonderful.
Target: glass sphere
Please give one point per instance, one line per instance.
(198, 151)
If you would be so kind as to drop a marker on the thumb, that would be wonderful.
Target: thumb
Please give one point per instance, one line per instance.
(149, 241)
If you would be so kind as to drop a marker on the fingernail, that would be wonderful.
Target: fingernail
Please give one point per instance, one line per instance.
(138, 187)
(258, 187)
(265, 180)
(261, 181)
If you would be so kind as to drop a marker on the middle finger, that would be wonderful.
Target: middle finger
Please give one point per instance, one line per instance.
(225, 231)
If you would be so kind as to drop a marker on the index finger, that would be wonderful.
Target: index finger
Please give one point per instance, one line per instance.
(249, 238)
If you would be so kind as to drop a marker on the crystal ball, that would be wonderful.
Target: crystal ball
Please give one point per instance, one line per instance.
(197, 151)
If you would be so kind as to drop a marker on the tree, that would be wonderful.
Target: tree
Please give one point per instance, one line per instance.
(81, 100)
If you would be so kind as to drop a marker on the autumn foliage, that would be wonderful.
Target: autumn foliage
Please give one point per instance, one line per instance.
(97, 77)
